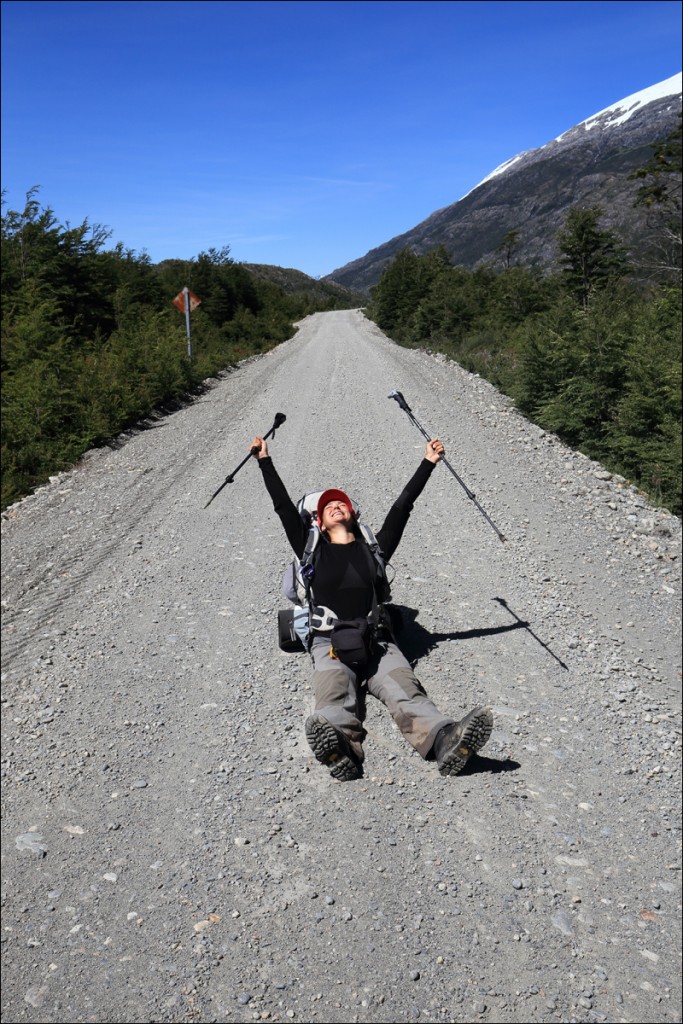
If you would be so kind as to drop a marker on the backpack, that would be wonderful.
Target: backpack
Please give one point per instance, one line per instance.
(296, 624)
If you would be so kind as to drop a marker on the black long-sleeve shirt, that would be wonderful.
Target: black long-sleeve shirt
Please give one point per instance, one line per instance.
(344, 575)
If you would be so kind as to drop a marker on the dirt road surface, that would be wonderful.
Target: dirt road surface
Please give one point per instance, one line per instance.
(173, 852)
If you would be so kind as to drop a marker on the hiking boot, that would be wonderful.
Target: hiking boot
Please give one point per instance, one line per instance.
(455, 743)
(332, 748)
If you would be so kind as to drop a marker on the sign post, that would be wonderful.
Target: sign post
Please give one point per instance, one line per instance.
(186, 301)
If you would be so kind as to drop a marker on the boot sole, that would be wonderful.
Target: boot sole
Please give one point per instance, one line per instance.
(330, 749)
(475, 734)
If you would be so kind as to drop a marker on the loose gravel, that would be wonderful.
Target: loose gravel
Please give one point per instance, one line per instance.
(173, 851)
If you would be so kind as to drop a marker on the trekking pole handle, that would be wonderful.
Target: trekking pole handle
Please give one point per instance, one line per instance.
(400, 399)
(277, 422)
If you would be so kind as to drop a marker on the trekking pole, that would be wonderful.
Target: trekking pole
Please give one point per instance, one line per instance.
(279, 420)
(470, 494)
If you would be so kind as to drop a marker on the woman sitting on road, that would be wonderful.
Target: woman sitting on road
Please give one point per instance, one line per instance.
(345, 579)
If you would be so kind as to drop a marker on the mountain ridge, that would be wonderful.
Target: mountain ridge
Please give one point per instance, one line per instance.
(532, 191)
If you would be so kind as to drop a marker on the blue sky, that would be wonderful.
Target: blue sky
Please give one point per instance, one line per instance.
(300, 134)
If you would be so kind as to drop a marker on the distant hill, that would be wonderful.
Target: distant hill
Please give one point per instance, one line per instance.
(589, 165)
(296, 282)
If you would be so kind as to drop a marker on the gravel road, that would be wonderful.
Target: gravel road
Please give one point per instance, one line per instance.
(172, 850)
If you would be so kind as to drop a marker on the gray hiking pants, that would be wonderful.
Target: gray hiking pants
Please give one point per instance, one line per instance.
(339, 696)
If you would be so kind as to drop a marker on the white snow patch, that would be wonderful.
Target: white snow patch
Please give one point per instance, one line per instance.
(622, 111)
(627, 107)
(502, 168)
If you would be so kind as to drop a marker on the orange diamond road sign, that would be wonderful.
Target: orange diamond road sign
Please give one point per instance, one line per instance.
(179, 300)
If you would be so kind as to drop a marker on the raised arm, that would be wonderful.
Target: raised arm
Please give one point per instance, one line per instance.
(282, 503)
(392, 529)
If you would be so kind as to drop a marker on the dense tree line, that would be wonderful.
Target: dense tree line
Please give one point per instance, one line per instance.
(91, 342)
(591, 352)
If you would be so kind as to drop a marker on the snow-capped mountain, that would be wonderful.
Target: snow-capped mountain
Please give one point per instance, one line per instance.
(588, 165)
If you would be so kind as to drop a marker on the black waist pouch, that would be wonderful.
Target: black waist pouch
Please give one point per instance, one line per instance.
(350, 642)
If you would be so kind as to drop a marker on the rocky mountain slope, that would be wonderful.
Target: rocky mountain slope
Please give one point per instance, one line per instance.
(589, 165)
(171, 849)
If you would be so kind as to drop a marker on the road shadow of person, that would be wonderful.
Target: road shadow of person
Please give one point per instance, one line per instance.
(416, 642)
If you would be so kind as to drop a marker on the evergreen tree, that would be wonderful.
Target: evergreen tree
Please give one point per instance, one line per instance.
(645, 435)
(508, 247)
(662, 173)
(660, 193)
(396, 295)
(548, 346)
(590, 257)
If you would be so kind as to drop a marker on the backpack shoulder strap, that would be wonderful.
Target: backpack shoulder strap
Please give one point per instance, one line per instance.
(382, 589)
(312, 542)
(304, 568)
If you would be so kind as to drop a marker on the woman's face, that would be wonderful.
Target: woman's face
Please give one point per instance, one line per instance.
(335, 512)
